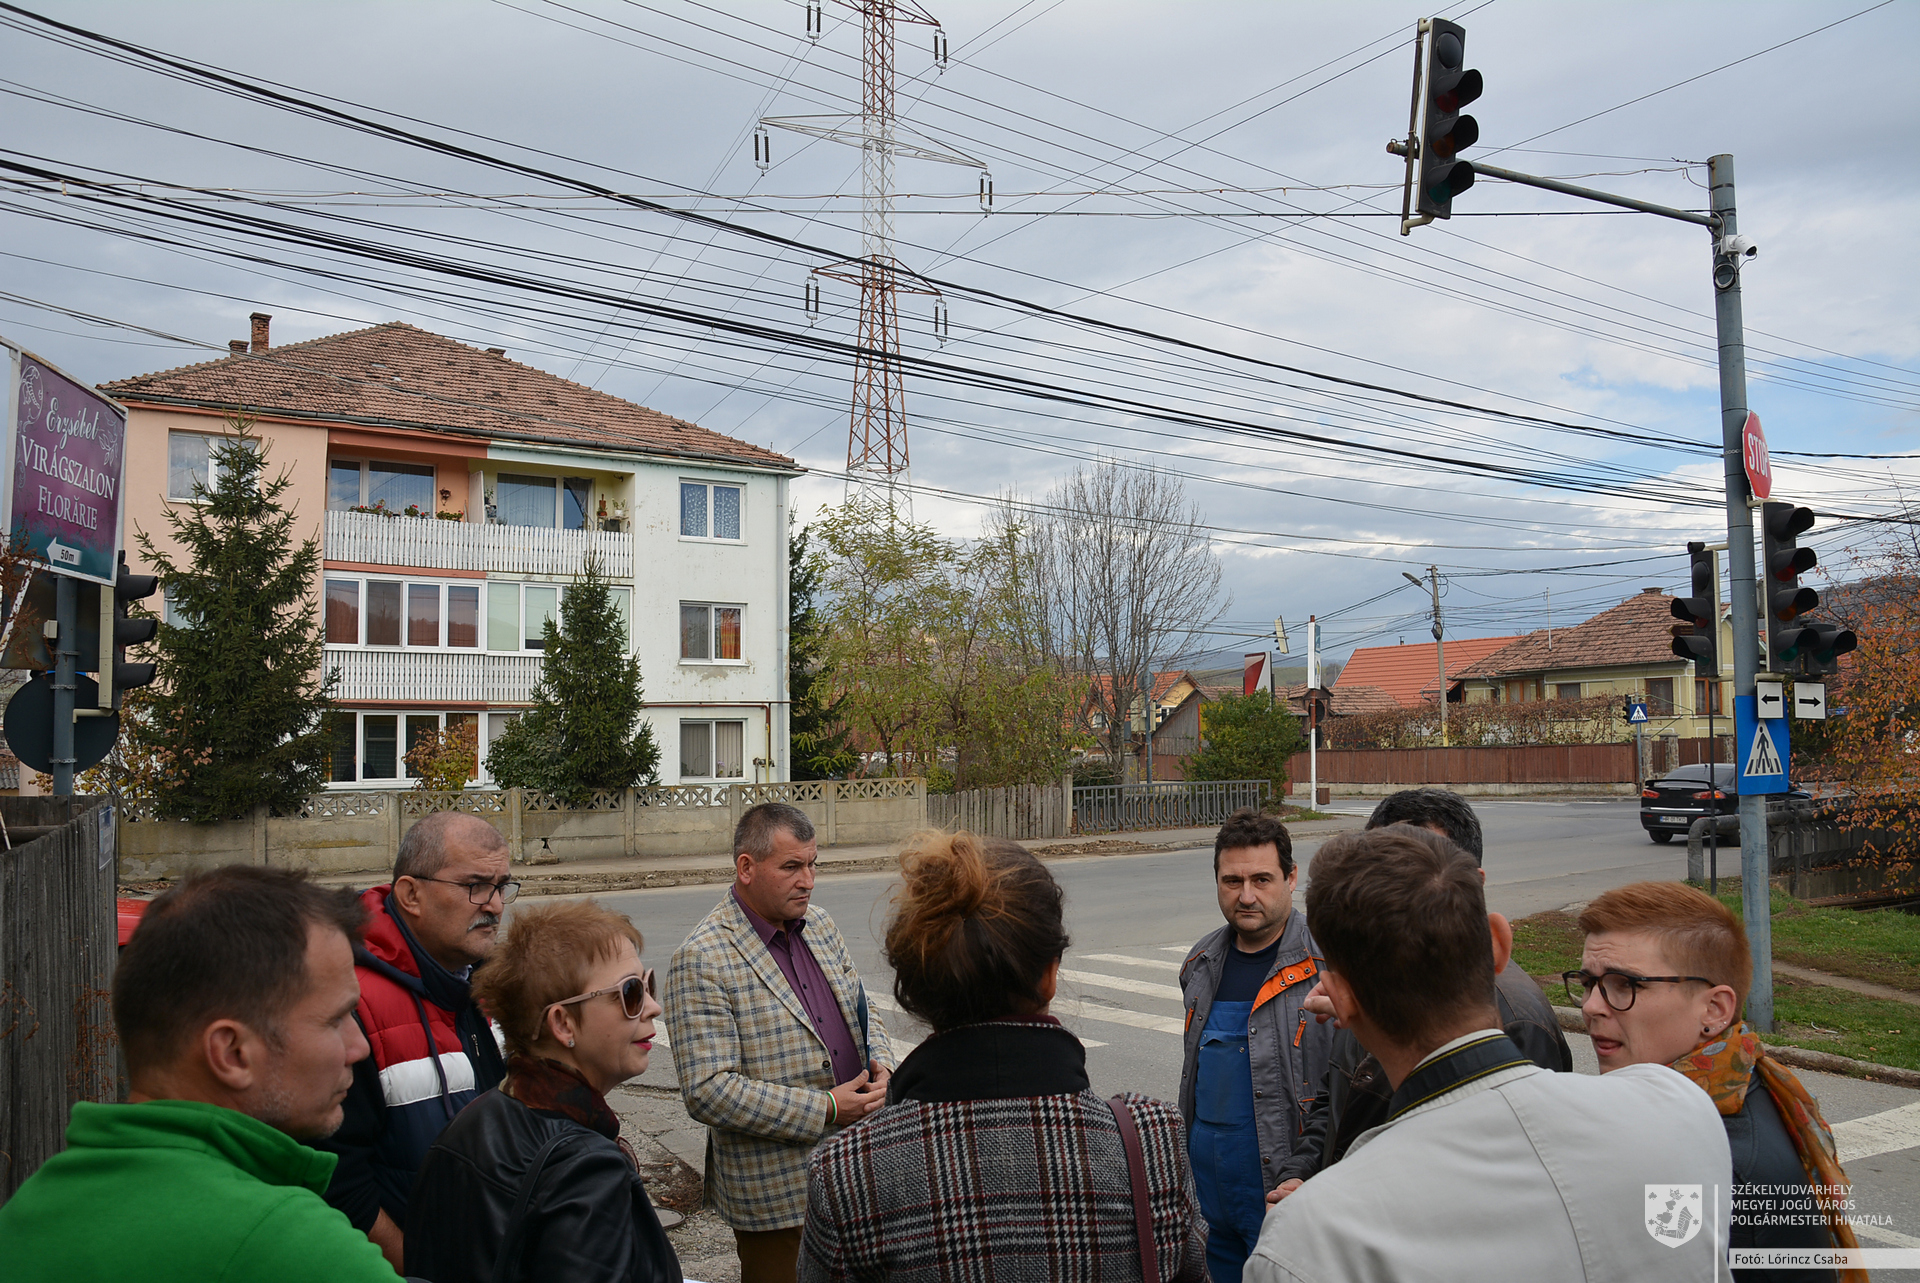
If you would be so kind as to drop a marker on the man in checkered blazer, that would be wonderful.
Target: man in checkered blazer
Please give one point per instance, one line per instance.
(773, 1041)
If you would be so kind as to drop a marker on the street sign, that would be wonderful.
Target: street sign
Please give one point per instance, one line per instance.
(1253, 671)
(1636, 712)
(29, 725)
(1770, 698)
(1754, 457)
(1810, 701)
(1280, 634)
(1761, 749)
(64, 455)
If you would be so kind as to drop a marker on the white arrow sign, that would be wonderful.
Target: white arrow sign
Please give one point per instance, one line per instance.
(60, 554)
(1770, 698)
(1810, 701)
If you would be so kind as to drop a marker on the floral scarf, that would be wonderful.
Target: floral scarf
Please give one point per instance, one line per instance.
(554, 1088)
(1724, 1070)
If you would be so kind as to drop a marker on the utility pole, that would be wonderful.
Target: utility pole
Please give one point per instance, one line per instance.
(1313, 712)
(1439, 642)
(67, 622)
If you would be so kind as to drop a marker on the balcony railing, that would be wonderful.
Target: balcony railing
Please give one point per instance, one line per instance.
(371, 539)
(436, 676)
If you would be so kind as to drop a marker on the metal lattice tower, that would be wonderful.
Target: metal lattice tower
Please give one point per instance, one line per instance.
(877, 457)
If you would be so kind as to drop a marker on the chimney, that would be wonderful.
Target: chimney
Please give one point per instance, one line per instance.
(260, 322)
(496, 351)
(237, 347)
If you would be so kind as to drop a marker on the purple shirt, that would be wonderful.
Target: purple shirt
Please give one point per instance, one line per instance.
(809, 985)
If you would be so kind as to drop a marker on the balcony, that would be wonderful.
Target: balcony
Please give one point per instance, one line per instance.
(437, 676)
(368, 538)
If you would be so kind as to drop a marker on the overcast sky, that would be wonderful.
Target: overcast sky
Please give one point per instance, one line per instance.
(1173, 168)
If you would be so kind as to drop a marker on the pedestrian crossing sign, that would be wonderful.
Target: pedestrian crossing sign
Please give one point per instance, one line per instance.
(1762, 749)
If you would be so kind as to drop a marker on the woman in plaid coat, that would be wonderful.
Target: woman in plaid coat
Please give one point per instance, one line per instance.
(993, 1159)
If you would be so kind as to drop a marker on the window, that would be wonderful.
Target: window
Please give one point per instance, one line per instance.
(710, 633)
(190, 462)
(1567, 690)
(383, 612)
(1706, 698)
(423, 614)
(379, 746)
(708, 511)
(373, 746)
(713, 750)
(623, 609)
(525, 501)
(342, 727)
(463, 615)
(1660, 696)
(576, 501)
(503, 616)
(543, 603)
(380, 483)
(170, 611)
(343, 611)
(421, 728)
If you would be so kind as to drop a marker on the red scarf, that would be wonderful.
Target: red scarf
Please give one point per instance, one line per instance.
(554, 1088)
(1724, 1069)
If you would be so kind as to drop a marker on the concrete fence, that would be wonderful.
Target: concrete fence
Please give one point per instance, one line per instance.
(352, 832)
(57, 949)
(1022, 812)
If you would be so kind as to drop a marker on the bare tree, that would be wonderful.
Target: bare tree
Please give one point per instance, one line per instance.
(1124, 580)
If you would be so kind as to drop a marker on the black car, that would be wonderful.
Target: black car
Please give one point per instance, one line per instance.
(1671, 803)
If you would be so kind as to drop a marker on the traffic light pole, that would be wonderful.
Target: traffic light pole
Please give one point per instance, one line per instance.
(67, 620)
(1755, 871)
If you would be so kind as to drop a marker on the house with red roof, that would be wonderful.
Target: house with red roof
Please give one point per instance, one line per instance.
(457, 494)
(1410, 675)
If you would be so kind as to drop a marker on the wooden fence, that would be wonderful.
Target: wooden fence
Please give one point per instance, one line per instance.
(1523, 764)
(1109, 808)
(57, 948)
(1022, 812)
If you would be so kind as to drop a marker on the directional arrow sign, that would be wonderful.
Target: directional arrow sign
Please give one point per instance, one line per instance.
(1771, 698)
(61, 555)
(1810, 701)
(1761, 750)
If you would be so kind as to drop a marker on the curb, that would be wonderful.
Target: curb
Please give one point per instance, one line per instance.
(1824, 1062)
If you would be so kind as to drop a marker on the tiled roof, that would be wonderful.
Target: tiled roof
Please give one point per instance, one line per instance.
(1162, 683)
(1345, 701)
(1409, 674)
(1638, 631)
(398, 375)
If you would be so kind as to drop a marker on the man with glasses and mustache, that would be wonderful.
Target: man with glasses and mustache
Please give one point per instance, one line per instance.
(433, 1049)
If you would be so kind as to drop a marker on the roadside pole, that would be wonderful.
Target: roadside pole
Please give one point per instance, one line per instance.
(1755, 888)
(1313, 713)
(67, 620)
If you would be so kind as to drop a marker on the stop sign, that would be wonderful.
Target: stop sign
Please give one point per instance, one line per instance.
(1753, 454)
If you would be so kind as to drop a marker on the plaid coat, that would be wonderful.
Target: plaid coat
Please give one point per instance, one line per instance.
(1012, 1187)
(751, 1066)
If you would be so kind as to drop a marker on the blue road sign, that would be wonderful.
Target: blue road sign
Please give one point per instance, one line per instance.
(1761, 749)
(1636, 712)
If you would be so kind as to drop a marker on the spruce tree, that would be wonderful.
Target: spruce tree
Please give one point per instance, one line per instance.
(817, 733)
(238, 710)
(583, 731)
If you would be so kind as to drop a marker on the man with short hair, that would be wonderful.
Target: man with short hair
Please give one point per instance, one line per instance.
(234, 1005)
(1252, 1055)
(1487, 1165)
(1353, 1096)
(772, 1038)
(433, 1049)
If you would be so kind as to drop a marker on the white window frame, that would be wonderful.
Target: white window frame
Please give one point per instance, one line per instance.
(212, 478)
(364, 465)
(713, 746)
(711, 486)
(406, 582)
(400, 715)
(713, 636)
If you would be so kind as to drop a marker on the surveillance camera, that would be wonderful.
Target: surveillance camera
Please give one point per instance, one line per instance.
(1738, 247)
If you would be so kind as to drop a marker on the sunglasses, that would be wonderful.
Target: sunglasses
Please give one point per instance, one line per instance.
(634, 992)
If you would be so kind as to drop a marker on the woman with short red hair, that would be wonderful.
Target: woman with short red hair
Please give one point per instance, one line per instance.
(1662, 981)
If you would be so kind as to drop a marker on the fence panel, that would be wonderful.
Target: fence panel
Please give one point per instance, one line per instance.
(1109, 808)
(1022, 812)
(1517, 764)
(57, 947)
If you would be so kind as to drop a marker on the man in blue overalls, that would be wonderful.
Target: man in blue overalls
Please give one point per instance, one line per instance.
(1253, 1054)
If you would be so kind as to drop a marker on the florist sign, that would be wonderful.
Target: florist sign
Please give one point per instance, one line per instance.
(64, 459)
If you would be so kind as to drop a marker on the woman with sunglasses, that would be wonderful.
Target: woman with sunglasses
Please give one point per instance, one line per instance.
(1662, 981)
(532, 1180)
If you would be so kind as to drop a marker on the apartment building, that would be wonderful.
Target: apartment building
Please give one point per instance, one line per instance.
(457, 494)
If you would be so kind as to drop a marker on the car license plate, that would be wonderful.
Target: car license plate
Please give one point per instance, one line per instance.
(1673, 819)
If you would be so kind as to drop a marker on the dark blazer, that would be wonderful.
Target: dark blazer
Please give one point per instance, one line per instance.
(589, 1220)
(993, 1160)
(1353, 1098)
(1765, 1167)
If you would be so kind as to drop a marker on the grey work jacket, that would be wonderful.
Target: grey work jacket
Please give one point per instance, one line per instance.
(1287, 1047)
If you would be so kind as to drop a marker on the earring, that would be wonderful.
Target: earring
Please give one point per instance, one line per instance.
(569, 1042)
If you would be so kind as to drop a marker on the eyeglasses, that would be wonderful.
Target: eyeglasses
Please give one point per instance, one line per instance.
(1619, 988)
(634, 992)
(480, 892)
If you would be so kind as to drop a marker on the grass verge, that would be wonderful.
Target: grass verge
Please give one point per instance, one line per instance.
(1881, 945)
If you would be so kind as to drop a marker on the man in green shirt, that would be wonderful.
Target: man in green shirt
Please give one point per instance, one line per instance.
(234, 1003)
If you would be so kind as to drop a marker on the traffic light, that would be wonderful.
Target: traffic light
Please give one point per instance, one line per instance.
(1698, 637)
(1821, 646)
(1444, 131)
(1783, 561)
(128, 631)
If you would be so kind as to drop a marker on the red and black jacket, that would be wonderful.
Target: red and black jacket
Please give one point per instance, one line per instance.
(433, 1052)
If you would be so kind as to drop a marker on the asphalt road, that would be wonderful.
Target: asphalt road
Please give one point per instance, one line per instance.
(1133, 919)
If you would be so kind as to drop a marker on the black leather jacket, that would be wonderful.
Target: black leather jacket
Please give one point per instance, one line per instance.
(1353, 1096)
(588, 1220)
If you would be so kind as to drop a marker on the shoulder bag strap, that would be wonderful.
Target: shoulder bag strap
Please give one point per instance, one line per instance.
(506, 1265)
(1137, 1180)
